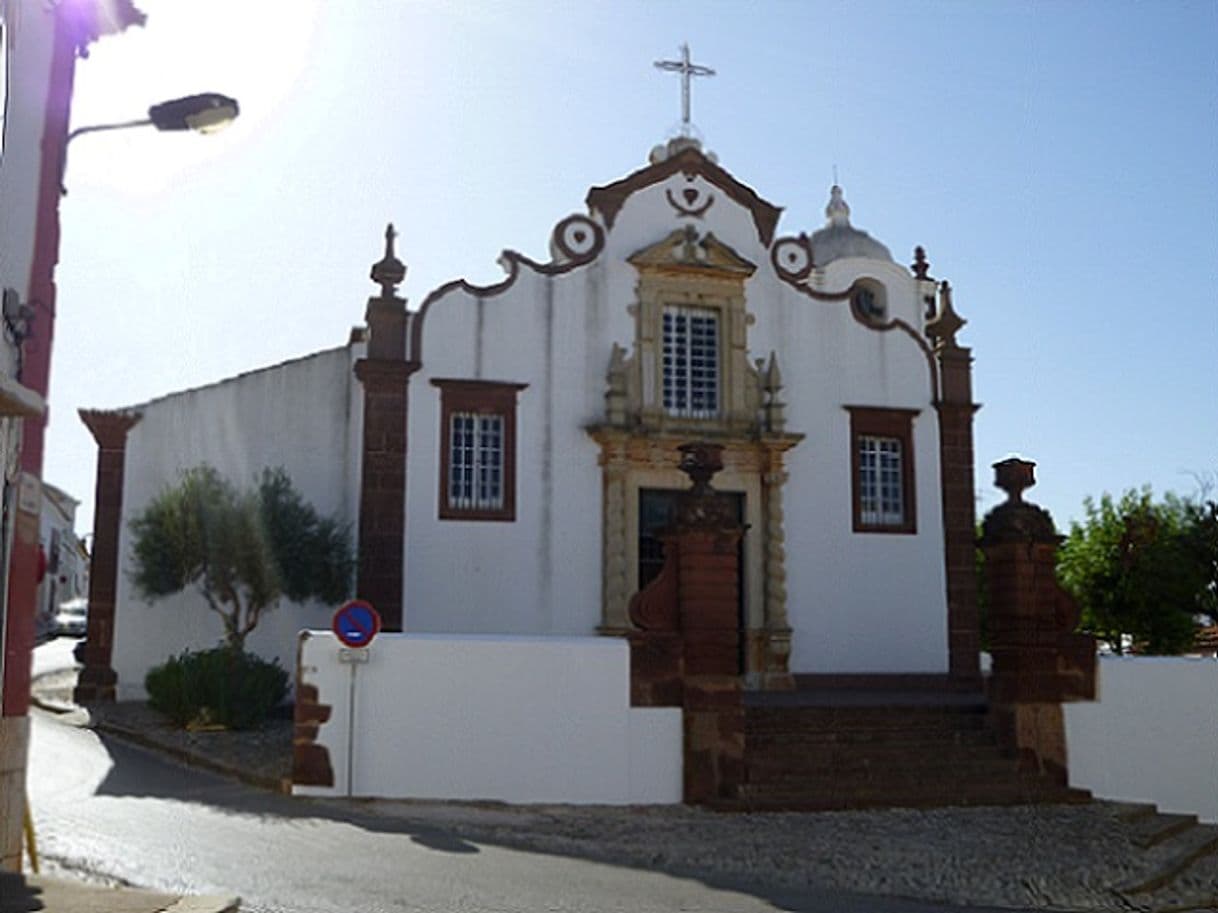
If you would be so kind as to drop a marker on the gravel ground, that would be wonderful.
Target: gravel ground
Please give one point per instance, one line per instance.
(1064, 857)
(1048, 856)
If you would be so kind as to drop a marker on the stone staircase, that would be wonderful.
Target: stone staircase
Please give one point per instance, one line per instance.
(1177, 842)
(839, 748)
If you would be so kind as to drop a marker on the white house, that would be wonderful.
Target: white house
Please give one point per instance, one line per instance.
(40, 41)
(64, 565)
(507, 454)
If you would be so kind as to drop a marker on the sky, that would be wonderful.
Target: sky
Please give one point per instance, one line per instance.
(1057, 160)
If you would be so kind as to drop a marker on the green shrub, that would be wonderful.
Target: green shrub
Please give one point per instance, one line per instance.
(218, 686)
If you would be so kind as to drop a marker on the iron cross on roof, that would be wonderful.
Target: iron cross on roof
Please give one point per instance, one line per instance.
(687, 71)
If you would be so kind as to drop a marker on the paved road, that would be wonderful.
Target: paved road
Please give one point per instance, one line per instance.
(119, 811)
(106, 807)
(53, 655)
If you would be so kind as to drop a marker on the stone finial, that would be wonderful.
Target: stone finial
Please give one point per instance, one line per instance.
(920, 266)
(1013, 475)
(389, 272)
(944, 326)
(771, 385)
(838, 210)
(700, 461)
(701, 507)
(1016, 520)
(690, 250)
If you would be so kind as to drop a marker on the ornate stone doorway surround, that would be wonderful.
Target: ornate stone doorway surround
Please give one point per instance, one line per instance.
(639, 438)
(754, 466)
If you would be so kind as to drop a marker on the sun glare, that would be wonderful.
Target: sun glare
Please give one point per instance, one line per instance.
(254, 52)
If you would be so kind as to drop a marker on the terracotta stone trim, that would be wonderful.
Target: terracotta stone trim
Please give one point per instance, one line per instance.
(377, 373)
(109, 428)
(609, 199)
(511, 261)
(310, 761)
(883, 682)
(484, 398)
(97, 680)
(891, 423)
(846, 296)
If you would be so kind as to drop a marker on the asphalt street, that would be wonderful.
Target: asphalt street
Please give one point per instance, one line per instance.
(105, 807)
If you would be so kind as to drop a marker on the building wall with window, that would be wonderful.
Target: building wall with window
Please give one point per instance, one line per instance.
(544, 415)
(866, 598)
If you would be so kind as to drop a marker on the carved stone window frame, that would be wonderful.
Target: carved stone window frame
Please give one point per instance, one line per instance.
(870, 421)
(481, 397)
(684, 272)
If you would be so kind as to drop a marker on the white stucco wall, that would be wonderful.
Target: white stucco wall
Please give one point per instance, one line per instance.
(513, 719)
(29, 32)
(540, 574)
(297, 415)
(1152, 736)
(865, 602)
(858, 602)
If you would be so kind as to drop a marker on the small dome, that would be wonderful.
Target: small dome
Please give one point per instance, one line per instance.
(839, 239)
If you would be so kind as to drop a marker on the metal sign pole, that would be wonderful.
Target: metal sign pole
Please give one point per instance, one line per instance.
(353, 657)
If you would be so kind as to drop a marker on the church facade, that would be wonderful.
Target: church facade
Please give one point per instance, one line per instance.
(508, 454)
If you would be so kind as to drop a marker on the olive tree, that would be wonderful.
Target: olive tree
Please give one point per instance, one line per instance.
(242, 551)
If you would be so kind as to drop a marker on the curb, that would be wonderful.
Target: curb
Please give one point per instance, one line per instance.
(204, 904)
(52, 706)
(190, 758)
(184, 756)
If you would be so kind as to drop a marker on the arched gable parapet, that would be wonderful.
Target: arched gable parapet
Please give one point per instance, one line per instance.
(607, 201)
(576, 241)
(793, 263)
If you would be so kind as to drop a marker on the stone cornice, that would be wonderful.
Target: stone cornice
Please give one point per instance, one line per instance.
(109, 427)
(381, 373)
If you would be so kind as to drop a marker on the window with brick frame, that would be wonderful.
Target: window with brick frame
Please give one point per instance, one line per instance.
(882, 470)
(477, 449)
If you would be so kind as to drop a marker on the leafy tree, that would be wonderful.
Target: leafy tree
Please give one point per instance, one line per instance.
(1203, 541)
(242, 550)
(1135, 568)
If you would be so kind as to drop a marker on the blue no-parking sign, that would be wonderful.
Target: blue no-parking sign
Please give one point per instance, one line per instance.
(356, 623)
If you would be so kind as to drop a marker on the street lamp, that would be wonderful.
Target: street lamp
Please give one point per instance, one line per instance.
(207, 112)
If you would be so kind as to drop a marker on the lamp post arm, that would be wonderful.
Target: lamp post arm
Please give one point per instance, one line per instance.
(98, 128)
(94, 128)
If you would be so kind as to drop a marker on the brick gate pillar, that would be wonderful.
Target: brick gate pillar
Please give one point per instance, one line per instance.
(97, 679)
(688, 648)
(1039, 660)
(956, 409)
(385, 373)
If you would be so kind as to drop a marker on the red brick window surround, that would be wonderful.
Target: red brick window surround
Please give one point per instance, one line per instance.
(477, 449)
(882, 470)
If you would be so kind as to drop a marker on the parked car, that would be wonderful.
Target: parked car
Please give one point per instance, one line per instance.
(72, 617)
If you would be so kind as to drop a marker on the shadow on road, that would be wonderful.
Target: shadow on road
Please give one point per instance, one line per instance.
(17, 896)
(138, 772)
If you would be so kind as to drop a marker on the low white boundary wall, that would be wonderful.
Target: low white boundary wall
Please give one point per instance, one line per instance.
(1152, 736)
(514, 719)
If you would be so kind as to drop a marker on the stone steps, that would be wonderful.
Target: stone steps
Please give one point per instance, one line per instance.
(913, 741)
(890, 768)
(835, 750)
(854, 795)
(1182, 848)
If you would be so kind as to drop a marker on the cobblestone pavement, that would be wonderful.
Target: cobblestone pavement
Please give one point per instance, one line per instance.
(1048, 856)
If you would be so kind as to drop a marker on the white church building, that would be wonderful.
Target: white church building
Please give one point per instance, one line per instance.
(507, 455)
